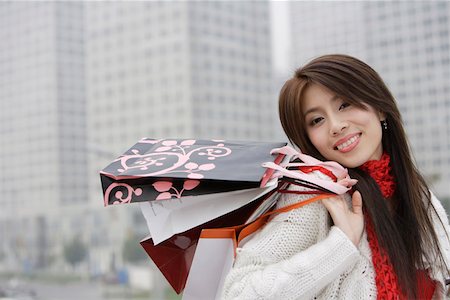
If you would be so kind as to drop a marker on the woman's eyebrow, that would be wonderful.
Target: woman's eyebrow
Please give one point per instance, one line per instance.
(311, 110)
(315, 108)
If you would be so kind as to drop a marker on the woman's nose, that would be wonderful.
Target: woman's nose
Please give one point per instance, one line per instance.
(337, 127)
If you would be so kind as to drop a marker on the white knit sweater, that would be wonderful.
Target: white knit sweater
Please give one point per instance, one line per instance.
(297, 255)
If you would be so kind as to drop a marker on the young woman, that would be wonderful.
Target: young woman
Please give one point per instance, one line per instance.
(388, 240)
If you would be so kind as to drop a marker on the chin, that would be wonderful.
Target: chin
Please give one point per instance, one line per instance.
(351, 162)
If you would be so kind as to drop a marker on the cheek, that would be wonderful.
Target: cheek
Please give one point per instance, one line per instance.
(317, 139)
(378, 134)
(373, 123)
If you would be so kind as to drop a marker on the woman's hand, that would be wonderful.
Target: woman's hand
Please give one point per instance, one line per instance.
(350, 221)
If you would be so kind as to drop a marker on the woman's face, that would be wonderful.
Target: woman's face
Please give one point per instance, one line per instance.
(340, 131)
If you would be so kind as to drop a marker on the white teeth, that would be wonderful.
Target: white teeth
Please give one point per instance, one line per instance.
(347, 143)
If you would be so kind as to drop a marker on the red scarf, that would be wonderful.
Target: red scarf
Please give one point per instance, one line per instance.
(385, 276)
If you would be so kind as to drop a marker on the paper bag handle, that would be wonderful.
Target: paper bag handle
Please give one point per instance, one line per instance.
(333, 166)
(335, 187)
(239, 232)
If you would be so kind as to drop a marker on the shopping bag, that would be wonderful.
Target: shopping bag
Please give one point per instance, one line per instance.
(174, 256)
(175, 168)
(212, 261)
(216, 250)
(169, 217)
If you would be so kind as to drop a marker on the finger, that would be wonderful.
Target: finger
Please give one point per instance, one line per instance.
(357, 203)
(335, 206)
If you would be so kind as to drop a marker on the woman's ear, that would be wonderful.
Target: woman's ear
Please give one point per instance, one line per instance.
(382, 116)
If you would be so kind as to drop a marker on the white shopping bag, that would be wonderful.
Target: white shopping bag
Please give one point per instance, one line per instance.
(213, 259)
(168, 217)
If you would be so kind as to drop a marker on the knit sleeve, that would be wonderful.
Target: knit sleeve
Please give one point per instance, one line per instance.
(294, 256)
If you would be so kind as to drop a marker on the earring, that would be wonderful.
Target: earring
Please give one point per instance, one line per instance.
(384, 124)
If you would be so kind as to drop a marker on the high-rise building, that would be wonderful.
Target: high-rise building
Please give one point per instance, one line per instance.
(178, 69)
(319, 27)
(408, 44)
(42, 128)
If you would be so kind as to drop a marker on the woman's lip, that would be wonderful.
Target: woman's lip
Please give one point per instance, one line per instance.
(345, 139)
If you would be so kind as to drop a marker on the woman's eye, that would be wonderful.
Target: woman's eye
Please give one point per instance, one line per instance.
(316, 121)
(344, 105)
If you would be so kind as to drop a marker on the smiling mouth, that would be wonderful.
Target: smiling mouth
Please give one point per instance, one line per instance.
(348, 142)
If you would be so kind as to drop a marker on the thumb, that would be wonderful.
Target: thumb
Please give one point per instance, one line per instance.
(357, 203)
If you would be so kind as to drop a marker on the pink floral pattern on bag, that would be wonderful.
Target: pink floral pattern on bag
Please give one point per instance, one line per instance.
(119, 194)
(170, 157)
(165, 186)
(171, 148)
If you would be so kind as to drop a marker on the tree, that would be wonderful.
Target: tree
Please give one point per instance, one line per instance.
(75, 251)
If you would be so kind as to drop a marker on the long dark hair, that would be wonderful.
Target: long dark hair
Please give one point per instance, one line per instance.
(406, 231)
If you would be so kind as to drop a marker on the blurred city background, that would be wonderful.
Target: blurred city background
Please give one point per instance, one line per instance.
(80, 82)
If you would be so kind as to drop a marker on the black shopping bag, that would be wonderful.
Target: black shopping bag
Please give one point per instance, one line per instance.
(174, 168)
